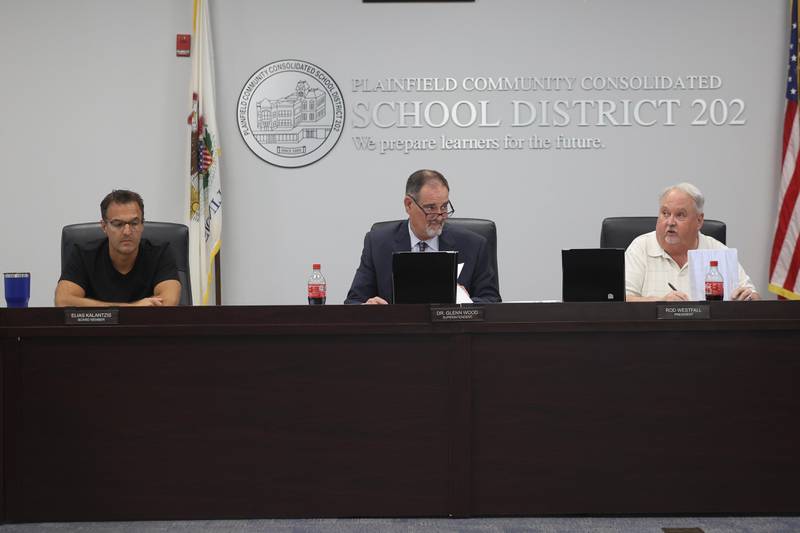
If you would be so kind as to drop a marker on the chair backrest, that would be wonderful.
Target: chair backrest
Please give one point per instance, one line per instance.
(483, 227)
(177, 235)
(618, 232)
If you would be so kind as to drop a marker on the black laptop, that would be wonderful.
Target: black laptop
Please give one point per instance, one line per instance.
(424, 278)
(593, 275)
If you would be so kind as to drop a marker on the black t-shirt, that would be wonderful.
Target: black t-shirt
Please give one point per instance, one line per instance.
(90, 267)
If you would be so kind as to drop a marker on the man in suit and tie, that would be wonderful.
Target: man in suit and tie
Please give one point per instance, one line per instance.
(427, 202)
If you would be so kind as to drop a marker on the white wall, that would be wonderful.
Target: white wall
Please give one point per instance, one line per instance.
(94, 98)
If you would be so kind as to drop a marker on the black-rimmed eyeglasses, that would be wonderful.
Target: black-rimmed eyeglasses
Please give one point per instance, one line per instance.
(445, 210)
(119, 225)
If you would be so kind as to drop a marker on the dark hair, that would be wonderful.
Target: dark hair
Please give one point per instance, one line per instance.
(121, 196)
(420, 178)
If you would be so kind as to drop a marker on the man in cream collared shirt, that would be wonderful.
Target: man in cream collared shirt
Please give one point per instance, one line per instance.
(657, 261)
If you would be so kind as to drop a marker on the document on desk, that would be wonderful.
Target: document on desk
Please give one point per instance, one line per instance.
(728, 264)
(461, 294)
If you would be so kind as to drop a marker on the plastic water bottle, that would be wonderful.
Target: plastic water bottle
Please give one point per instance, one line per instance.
(715, 285)
(316, 286)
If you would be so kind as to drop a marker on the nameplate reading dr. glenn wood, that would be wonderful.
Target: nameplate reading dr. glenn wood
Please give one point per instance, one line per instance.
(457, 313)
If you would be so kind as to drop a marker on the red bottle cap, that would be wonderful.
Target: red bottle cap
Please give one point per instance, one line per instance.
(714, 263)
(315, 266)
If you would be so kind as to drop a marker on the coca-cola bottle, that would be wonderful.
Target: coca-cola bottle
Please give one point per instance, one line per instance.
(715, 285)
(316, 286)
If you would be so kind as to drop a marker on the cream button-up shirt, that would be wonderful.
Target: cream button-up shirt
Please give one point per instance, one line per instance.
(649, 269)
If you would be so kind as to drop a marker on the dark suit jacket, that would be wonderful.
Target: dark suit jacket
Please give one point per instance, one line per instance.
(374, 274)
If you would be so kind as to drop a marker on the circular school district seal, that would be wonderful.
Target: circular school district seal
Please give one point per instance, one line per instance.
(290, 113)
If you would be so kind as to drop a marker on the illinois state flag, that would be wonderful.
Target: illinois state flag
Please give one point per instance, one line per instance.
(204, 212)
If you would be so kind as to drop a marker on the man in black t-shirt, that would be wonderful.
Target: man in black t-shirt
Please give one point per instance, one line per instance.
(123, 269)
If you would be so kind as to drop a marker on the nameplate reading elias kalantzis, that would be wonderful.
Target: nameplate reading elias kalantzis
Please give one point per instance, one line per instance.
(91, 317)
(457, 313)
(684, 311)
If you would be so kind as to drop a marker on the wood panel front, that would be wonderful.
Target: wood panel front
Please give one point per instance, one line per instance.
(135, 428)
(637, 423)
(347, 411)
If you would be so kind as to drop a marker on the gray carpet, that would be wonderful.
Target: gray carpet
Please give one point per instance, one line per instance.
(475, 525)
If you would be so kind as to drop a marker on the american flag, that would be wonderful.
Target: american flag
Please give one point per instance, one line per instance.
(784, 263)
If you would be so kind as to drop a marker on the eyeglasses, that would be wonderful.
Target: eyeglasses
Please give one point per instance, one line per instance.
(430, 211)
(119, 225)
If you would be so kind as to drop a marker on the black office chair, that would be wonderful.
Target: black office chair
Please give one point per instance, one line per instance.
(156, 232)
(618, 232)
(481, 226)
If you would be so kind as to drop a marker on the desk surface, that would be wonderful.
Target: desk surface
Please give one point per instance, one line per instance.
(295, 411)
(263, 319)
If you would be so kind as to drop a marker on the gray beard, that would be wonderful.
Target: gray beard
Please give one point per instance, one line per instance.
(433, 232)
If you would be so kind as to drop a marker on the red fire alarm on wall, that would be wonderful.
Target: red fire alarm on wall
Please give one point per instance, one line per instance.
(183, 45)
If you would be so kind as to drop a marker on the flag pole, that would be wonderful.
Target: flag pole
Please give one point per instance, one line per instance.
(218, 278)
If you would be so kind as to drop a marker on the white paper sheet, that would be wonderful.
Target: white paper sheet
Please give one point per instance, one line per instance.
(698, 268)
(461, 294)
